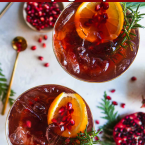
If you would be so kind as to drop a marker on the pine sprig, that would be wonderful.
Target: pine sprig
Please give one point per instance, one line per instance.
(86, 138)
(130, 22)
(4, 88)
(112, 117)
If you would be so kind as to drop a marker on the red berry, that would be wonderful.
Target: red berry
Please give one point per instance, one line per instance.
(108, 98)
(44, 45)
(40, 40)
(40, 58)
(113, 90)
(97, 122)
(133, 78)
(46, 64)
(33, 47)
(114, 103)
(123, 105)
(45, 37)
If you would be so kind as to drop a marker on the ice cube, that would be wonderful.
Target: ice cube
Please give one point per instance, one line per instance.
(19, 136)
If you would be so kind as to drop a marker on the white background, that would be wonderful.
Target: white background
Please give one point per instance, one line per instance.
(30, 71)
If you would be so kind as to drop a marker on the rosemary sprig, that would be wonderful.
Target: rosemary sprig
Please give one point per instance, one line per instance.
(130, 22)
(4, 88)
(112, 117)
(86, 138)
(135, 4)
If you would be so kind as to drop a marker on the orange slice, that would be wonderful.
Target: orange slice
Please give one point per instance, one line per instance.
(79, 115)
(107, 31)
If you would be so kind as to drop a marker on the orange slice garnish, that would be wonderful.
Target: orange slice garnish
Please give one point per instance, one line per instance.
(109, 30)
(79, 115)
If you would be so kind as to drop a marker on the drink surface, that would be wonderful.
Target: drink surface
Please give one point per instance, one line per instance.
(28, 117)
(90, 61)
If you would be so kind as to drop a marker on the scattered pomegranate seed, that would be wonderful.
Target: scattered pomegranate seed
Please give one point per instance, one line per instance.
(33, 47)
(97, 122)
(40, 58)
(96, 138)
(40, 40)
(108, 98)
(46, 64)
(123, 105)
(44, 45)
(114, 103)
(28, 123)
(45, 37)
(97, 8)
(133, 78)
(113, 90)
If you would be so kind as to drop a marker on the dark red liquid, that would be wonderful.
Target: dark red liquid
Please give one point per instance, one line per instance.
(28, 117)
(86, 60)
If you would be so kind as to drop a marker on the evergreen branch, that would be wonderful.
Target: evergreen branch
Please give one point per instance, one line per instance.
(4, 88)
(112, 117)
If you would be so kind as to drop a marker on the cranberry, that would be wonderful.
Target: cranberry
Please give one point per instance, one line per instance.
(44, 45)
(133, 78)
(123, 105)
(97, 122)
(113, 90)
(45, 37)
(97, 7)
(33, 47)
(40, 58)
(108, 98)
(40, 40)
(114, 103)
(46, 64)
(105, 5)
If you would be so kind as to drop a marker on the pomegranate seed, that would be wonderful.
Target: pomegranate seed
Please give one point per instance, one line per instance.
(40, 40)
(69, 106)
(96, 138)
(69, 127)
(68, 119)
(61, 110)
(113, 90)
(46, 64)
(71, 111)
(33, 47)
(123, 105)
(64, 118)
(28, 123)
(42, 19)
(45, 37)
(114, 103)
(105, 5)
(97, 122)
(54, 120)
(133, 78)
(40, 58)
(44, 45)
(61, 123)
(97, 8)
(72, 122)
(108, 98)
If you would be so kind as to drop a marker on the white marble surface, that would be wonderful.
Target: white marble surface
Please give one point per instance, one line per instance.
(30, 71)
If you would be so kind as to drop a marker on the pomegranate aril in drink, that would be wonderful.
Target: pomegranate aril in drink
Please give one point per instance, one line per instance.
(28, 123)
(97, 8)
(72, 122)
(69, 105)
(62, 110)
(105, 5)
(71, 111)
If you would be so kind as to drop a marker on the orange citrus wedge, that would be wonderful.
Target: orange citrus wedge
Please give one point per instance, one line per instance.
(79, 114)
(109, 30)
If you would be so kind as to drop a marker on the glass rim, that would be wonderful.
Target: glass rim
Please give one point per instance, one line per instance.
(7, 120)
(53, 47)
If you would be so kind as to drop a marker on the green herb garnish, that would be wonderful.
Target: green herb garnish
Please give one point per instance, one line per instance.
(4, 88)
(112, 117)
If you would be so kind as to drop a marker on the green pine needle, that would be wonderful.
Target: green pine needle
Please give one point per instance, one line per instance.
(4, 88)
(112, 118)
